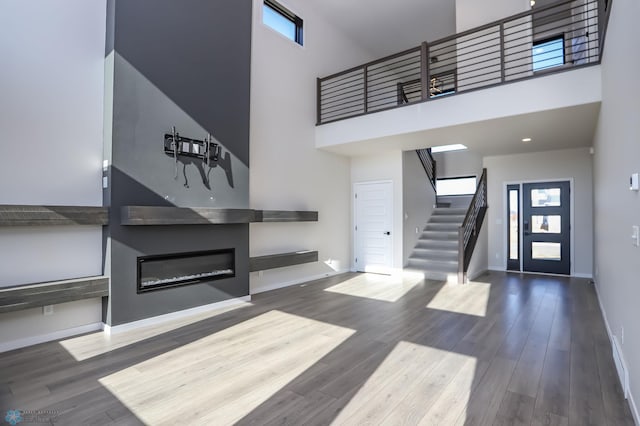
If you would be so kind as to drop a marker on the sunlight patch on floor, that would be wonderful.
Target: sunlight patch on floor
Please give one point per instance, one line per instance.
(468, 299)
(378, 287)
(406, 385)
(222, 377)
(94, 344)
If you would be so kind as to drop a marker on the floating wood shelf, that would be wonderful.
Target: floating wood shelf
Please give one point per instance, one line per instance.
(151, 215)
(25, 215)
(156, 215)
(51, 293)
(284, 216)
(272, 261)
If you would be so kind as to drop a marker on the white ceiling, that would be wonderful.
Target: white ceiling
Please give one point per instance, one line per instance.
(384, 27)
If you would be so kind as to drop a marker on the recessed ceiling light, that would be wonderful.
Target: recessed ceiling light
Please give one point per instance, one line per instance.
(526, 140)
(445, 148)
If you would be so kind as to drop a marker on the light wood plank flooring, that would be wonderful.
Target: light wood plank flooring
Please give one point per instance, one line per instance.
(353, 349)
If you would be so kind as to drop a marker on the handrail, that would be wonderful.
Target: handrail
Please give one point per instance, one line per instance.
(429, 164)
(468, 231)
(496, 53)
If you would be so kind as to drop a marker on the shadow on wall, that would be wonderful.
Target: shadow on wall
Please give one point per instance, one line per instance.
(205, 175)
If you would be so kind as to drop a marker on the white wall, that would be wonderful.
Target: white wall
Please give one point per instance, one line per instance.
(29, 327)
(386, 166)
(616, 209)
(418, 199)
(286, 170)
(473, 13)
(568, 164)
(52, 82)
(458, 164)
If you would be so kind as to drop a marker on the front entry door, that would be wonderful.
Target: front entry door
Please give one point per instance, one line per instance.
(546, 228)
(373, 217)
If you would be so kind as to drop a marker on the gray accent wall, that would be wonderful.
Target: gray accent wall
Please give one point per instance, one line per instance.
(198, 54)
(185, 64)
(143, 114)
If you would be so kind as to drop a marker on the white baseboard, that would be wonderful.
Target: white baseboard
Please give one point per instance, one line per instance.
(575, 275)
(297, 281)
(627, 391)
(56, 335)
(579, 275)
(174, 315)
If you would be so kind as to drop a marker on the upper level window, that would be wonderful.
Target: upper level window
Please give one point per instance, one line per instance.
(548, 53)
(456, 186)
(282, 20)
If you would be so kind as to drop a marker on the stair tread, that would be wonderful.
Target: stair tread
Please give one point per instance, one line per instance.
(449, 211)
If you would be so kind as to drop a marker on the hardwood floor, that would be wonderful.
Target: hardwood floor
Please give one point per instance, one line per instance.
(347, 350)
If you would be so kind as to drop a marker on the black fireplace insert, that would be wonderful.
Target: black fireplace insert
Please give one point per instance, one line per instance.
(158, 272)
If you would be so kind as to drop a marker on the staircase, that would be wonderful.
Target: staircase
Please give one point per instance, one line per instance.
(436, 252)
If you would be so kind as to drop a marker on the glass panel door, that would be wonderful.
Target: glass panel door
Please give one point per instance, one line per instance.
(513, 227)
(546, 228)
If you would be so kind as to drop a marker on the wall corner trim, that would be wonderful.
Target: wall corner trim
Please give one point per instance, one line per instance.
(109, 330)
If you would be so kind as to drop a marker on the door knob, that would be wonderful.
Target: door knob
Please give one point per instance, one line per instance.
(387, 233)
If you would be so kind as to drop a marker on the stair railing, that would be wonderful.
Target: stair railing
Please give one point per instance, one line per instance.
(468, 231)
(428, 163)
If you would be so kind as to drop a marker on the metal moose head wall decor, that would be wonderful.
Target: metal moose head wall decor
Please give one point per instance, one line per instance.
(202, 153)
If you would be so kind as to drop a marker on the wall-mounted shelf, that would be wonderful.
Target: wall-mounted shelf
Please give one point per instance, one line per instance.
(155, 215)
(280, 260)
(25, 215)
(285, 216)
(21, 297)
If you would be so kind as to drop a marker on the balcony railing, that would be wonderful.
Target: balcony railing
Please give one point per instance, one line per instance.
(564, 35)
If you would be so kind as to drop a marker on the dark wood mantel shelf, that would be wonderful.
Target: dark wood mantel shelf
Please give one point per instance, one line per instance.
(52, 293)
(27, 215)
(280, 260)
(285, 216)
(158, 215)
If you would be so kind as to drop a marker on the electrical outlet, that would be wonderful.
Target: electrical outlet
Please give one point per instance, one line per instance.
(47, 310)
(498, 256)
(417, 230)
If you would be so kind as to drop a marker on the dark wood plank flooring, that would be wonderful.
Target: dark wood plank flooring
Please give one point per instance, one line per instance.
(353, 349)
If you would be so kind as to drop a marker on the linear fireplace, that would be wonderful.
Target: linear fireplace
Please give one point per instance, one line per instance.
(173, 270)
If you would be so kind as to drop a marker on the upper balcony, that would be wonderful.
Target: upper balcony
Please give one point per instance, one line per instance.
(439, 85)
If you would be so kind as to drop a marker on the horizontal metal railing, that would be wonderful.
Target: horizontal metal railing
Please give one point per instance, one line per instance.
(553, 38)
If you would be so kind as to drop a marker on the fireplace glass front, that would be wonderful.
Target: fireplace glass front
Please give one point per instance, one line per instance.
(172, 270)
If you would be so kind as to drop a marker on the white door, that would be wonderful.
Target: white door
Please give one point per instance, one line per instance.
(373, 223)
